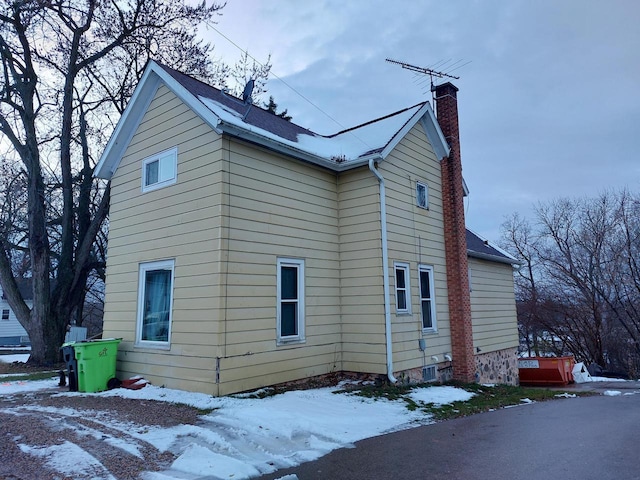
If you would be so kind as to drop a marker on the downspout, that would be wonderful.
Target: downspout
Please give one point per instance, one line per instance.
(385, 271)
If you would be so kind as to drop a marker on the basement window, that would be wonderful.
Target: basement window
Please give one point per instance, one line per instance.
(159, 170)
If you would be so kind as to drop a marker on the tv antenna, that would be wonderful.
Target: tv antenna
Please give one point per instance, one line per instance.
(429, 71)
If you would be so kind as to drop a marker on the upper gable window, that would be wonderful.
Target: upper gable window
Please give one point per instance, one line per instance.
(159, 170)
(5, 314)
(422, 195)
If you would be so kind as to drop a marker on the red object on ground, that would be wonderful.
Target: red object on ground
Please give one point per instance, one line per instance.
(546, 370)
(134, 383)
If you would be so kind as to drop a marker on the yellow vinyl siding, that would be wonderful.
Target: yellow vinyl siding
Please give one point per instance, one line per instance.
(362, 299)
(234, 210)
(176, 222)
(493, 309)
(278, 208)
(415, 236)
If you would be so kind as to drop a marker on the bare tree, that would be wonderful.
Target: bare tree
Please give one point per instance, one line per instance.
(67, 72)
(518, 237)
(584, 255)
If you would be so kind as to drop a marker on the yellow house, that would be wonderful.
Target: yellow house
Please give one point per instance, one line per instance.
(246, 251)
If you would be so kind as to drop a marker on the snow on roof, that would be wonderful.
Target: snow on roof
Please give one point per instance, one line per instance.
(344, 146)
(227, 114)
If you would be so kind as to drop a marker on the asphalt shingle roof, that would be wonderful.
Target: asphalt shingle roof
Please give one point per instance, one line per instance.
(477, 247)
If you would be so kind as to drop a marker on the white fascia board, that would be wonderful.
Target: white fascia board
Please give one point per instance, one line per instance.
(493, 258)
(127, 125)
(271, 144)
(245, 132)
(434, 134)
(393, 143)
(465, 187)
(144, 93)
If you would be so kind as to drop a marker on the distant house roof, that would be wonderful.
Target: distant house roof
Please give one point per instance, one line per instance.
(478, 247)
(24, 285)
(227, 114)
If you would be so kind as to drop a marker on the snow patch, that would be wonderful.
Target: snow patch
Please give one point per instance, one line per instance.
(440, 395)
(199, 460)
(22, 386)
(18, 357)
(69, 459)
(565, 395)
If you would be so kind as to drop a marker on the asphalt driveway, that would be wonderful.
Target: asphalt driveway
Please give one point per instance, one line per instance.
(575, 438)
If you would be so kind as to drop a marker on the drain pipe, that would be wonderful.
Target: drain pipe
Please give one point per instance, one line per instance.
(385, 271)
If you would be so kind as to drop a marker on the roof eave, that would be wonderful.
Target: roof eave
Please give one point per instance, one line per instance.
(434, 133)
(430, 125)
(283, 148)
(143, 95)
(126, 126)
(493, 258)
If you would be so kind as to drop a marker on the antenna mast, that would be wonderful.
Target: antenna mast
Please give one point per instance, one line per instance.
(424, 70)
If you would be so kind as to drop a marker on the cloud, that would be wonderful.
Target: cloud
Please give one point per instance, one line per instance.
(549, 105)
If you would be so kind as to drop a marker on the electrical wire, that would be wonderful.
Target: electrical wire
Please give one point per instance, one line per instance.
(271, 72)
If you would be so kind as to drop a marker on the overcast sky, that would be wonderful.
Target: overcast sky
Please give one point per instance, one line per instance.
(549, 105)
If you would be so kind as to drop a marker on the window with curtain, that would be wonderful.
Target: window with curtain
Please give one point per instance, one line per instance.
(155, 301)
(290, 302)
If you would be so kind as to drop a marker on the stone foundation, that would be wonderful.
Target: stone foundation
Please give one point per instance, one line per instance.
(444, 373)
(498, 367)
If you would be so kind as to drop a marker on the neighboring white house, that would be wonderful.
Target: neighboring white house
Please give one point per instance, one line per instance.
(11, 332)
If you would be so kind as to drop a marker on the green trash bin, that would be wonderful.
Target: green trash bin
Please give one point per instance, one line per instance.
(96, 363)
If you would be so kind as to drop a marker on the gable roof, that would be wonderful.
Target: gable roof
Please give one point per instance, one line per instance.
(227, 114)
(478, 247)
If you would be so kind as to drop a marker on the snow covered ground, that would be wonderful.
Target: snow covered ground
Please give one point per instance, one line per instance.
(246, 437)
(16, 357)
(242, 437)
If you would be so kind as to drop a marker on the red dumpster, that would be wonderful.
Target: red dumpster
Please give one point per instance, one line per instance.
(546, 370)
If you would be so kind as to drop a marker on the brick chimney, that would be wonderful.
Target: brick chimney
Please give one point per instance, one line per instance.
(455, 237)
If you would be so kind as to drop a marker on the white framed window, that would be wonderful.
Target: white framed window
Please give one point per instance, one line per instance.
(159, 170)
(403, 290)
(155, 304)
(290, 307)
(427, 298)
(422, 195)
(5, 314)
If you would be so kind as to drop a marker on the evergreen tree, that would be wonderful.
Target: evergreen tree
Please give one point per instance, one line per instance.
(272, 107)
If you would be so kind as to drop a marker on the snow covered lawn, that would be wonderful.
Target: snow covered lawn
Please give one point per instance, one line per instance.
(241, 437)
(16, 357)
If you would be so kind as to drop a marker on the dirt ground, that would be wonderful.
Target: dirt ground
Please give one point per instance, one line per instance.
(45, 421)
